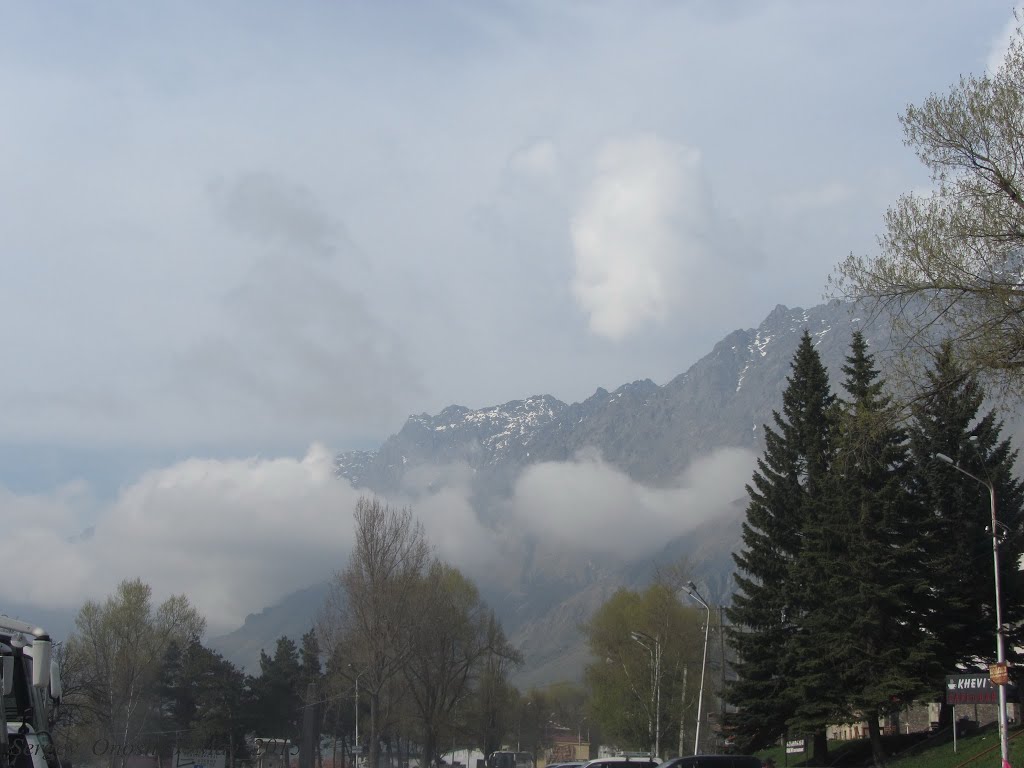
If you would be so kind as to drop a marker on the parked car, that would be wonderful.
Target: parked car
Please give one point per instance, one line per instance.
(623, 762)
(713, 761)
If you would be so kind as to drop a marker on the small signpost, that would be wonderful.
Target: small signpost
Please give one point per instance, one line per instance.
(794, 747)
(978, 688)
(199, 758)
(999, 673)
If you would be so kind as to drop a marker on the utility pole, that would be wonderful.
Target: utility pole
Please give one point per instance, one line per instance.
(307, 752)
(1000, 665)
(721, 696)
(691, 590)
(653, 647)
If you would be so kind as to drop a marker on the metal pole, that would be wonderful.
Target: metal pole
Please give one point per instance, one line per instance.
(682, 712)
(721, 696)
(657, 706)
(1004, 745)
(691, 590)
(650, 713)
(307, 752)
(703, 669)
(653, 717)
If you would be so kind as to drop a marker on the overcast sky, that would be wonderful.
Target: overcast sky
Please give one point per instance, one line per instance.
(231, 230)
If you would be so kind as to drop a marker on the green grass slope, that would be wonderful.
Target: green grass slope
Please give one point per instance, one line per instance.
(979, 749)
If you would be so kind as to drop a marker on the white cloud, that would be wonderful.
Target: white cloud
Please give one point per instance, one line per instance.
(829, 194)
(441, 498)
(298, 339)
(393, 133)
(592, 505)
(537, 159)
(1001, 45)
(234, 536)
(642, 224)
(238, 535)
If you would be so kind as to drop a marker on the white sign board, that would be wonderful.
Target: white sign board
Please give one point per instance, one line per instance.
(793, 747)
(199, 758)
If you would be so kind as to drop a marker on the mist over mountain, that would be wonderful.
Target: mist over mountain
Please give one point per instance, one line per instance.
(582, 499)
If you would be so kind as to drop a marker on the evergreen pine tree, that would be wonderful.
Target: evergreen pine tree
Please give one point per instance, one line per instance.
(278, 703)
(862, 562)
(790, 480)
(956, 538)
(309, 660)
(172, 697)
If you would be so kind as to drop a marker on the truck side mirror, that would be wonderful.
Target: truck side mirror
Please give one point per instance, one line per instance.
(42, 650)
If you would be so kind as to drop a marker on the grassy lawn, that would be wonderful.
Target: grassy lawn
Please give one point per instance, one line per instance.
(978, 750)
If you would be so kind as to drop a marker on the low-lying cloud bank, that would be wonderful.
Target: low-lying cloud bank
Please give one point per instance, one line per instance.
(238, 535)
(232, 535)
(598, 508)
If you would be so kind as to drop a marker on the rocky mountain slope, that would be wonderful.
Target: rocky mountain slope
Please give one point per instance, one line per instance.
(650, 432)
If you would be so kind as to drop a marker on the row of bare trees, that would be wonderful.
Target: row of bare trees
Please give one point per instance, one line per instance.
(413, 634)
(407, 630)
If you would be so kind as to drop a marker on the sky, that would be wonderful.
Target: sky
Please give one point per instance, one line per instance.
(238, 237)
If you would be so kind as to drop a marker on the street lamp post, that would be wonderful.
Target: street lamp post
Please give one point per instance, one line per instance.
(691, 590)
(1000, 641)
(519, 734)
(357, 746)
(654, 649)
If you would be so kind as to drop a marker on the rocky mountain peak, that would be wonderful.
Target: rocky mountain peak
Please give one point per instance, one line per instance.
(652, 432)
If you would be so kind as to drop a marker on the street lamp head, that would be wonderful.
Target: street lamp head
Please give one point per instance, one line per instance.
(945, 458)
(691, 590)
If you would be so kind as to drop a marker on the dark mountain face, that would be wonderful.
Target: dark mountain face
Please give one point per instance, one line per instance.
(651, 433)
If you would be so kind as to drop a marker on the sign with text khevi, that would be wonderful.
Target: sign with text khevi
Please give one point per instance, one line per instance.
(974, 689)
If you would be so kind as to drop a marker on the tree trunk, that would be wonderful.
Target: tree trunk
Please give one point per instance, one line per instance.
(429, 747)
(875, 734)
(374, 752)
(308, 738)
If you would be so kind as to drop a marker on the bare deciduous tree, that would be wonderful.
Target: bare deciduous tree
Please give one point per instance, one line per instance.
(951, 262)
(370, 604)
(455, 634)
(494, 696)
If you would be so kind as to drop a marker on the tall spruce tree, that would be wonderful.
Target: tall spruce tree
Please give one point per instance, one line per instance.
(955, 537)
(862, 561)
(277, 704)
(767, 609)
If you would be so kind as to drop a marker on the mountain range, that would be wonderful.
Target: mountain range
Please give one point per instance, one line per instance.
(649, 433)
